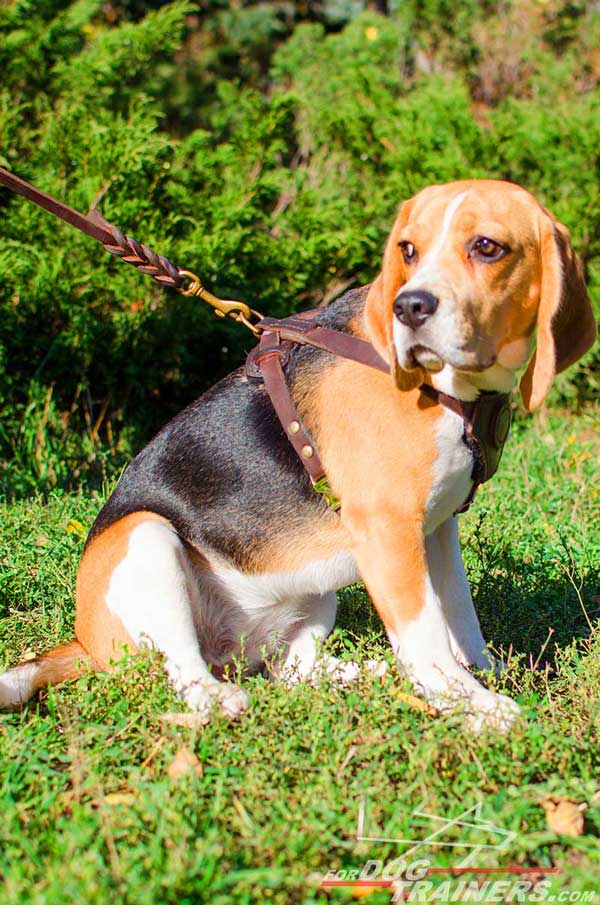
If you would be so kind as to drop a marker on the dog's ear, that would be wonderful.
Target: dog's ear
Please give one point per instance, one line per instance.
(565, 323)
(379, 307)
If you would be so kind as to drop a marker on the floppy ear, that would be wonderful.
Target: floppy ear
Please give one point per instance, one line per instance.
(565, 323)
(379, 312)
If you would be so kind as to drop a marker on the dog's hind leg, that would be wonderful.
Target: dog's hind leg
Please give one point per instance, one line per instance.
(307, 636)
(303, 647)
(137, 586)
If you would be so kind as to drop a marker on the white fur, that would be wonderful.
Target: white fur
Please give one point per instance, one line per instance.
(195, 617)
(450, 583)
(429, 270)
(153, 592)
(424, 651)
(316, 577)
(303, 643)
(452, 472)
(17, 685)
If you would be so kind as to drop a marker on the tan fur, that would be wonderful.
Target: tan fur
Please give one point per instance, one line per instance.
(59, 664)
(292, 550)
(566, 326)
(378, 309)
(363, 462)
(539, 284)
(101, 633)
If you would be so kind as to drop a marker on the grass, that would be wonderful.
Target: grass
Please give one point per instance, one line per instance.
(90, 814)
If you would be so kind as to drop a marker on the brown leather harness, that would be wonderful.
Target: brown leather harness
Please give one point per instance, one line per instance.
(486, 420)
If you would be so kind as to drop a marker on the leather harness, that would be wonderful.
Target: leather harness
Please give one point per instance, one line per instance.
(486, 420)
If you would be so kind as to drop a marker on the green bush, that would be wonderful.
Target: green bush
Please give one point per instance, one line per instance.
(277, 186)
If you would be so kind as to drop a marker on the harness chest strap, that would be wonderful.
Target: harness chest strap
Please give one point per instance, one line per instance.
(486, 420)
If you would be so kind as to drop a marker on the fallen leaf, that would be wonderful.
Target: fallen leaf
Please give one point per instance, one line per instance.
(416, 703)
(75, 527)
(184, 762)
(564, 815)
(187, 720)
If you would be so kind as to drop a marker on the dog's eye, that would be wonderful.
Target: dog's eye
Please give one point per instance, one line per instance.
(483, 248)
(409, 251)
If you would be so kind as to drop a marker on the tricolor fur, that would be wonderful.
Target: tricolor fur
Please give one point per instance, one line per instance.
(214, 543)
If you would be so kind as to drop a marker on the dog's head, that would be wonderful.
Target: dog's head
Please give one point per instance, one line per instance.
(470, 270)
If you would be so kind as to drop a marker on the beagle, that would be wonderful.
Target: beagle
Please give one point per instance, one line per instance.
(214, 545)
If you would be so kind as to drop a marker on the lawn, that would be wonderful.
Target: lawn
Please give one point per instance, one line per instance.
(90, 812)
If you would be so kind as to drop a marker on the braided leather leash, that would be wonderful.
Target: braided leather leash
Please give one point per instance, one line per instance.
(131, 251)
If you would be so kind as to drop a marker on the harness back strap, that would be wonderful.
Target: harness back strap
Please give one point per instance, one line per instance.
(303, 329)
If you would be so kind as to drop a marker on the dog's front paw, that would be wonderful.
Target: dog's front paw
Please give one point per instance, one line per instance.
(205, 698)
(488, 710)
(483, 709)
(483, 660)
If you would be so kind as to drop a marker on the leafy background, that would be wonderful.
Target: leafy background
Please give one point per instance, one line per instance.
(266, 146)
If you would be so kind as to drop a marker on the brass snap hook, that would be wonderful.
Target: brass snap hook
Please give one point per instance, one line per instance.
(239, 311)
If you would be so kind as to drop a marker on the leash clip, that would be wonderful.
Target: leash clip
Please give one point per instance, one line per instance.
(238, 311)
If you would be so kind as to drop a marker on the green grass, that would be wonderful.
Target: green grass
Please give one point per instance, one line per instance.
(89, 814)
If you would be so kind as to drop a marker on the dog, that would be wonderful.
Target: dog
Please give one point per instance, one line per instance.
(214, 545)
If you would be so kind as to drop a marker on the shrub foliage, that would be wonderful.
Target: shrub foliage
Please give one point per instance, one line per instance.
(266, 146)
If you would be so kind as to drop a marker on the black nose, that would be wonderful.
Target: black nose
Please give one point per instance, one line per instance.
(413, 307)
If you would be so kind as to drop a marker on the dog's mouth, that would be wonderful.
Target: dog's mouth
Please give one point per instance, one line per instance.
(426, 358)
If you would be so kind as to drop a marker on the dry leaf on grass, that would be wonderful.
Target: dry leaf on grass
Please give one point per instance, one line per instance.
(564, 815)
(187, 720)
(184, 762)
(416, 703)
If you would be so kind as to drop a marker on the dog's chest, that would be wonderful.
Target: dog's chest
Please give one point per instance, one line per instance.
(451, 474)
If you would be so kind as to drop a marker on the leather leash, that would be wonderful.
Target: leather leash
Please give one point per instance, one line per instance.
(131, 251)
(486, 420)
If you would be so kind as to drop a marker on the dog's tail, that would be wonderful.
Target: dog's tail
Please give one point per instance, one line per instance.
(17, 685)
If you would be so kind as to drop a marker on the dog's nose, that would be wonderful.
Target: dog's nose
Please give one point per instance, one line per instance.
(412, 308)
